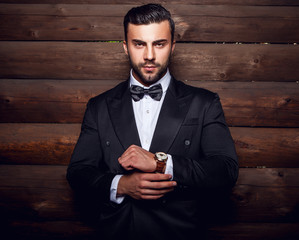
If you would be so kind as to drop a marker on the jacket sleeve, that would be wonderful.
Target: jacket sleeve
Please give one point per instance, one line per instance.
(218, 165)
(86, 174)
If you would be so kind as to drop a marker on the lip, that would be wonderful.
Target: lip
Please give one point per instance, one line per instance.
(149, 68)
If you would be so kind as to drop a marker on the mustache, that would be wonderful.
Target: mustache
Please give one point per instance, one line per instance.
(149, 63)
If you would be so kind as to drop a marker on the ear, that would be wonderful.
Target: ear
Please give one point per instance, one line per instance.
(125, 46)
(173, 46)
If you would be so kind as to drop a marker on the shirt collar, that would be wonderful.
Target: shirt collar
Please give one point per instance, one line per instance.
(164, 81)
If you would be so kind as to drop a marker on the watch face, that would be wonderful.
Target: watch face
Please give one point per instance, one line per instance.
(161, 156)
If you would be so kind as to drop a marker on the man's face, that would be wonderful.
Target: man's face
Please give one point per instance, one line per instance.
(149, 48)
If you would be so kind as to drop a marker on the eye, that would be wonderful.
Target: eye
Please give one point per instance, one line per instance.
(138, 44)
(160, 44)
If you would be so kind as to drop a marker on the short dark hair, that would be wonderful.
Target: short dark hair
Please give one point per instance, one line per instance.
(146, 14)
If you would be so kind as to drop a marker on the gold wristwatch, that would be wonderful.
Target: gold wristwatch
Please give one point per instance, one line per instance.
(161, 159)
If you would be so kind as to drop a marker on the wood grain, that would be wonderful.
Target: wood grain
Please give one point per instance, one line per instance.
(107, 61)
(53, 144)
(193, 2)
(41, 101)
(76, 230)
(267, 147)
(257, 231)
(57, 101)
(38, 143)
(53, 61)
(206, 23)
(39, 198)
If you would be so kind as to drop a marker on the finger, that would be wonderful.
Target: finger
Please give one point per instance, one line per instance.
(132, 156)
(156, 177)
(123, 160)
(129, 157)
(134, 150)
(126, 153)
(157, 185)
(128, 166)
(124, 157)
(162, 185)
(155, 192)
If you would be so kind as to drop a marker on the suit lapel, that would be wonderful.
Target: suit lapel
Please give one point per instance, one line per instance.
(122, 116)
(172, 115)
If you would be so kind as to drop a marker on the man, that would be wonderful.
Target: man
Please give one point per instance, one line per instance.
(145, 159)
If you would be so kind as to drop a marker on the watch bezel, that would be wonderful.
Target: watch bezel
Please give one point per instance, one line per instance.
(161, 156)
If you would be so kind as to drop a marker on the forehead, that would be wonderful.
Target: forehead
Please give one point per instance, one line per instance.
(149, 32)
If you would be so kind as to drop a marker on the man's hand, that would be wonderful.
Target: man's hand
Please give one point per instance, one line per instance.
(136, 157)
(148, 186)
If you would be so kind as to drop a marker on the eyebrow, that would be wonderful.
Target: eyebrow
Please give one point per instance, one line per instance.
(137, 41)
(154, 42)
(160, 41)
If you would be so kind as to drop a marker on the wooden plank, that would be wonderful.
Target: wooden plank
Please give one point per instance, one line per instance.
(52, 101)
(206, 23)
(58, 101)
(270, 147)
(36, 192)
(38, 143)
(193, 2)
(236, 62)
(256, 231)
(106, 61)
(63, 60)
(41, 193)
(48, 230)
(75, 230)
(54, 143)
(257, 103)
(253, 199)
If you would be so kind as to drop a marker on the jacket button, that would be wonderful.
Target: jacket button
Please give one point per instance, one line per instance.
(187, 142)
(107, 143)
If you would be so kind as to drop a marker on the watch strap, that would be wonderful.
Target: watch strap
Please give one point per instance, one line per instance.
(161, 166)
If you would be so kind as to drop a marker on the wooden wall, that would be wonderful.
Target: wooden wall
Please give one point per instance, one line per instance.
(54, 56)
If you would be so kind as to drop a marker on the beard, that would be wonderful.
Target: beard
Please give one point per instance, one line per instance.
(150, 78)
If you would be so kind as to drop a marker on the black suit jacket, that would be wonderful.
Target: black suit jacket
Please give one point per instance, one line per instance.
(191, 127)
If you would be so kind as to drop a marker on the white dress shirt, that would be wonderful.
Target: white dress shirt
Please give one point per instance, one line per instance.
(146, 112)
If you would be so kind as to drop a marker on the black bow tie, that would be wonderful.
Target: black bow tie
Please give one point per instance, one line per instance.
(155, 92)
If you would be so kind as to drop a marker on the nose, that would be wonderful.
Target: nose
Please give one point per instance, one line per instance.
(149, 53)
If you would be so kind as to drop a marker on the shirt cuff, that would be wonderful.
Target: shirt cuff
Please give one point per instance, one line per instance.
(169, 166)
(113, 191)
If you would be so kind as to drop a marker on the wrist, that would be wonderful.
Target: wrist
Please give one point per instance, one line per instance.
(114, 197)
(161, 160)
(121, 190)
